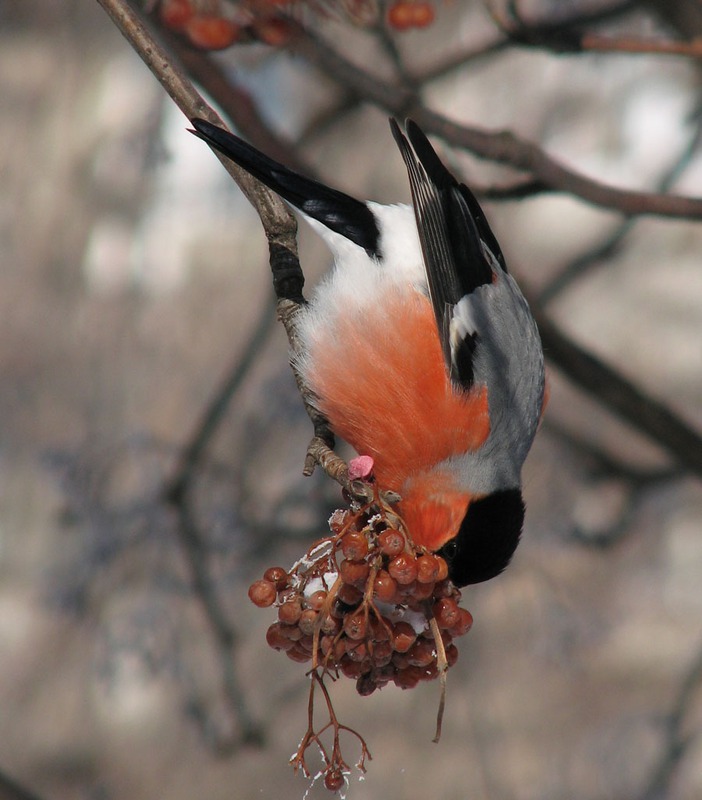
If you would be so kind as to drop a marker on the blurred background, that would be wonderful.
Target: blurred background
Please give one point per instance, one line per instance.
(135, 292)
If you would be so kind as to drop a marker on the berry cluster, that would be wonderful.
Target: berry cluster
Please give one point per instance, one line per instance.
(218, 24)
(365, 603)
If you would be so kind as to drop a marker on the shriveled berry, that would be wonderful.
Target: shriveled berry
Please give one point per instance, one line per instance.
(356, 651)
(464, 623)
(385, 587)
(333, 779)
(308, 621)
(446, 612)
(353, 669)
(443, 588)
(451, 654)
(391, 543)
(278, 576)
(423, 591)
(276, 639)
(407, 678)
(381, 654)
(403, 636)
(443, 568)
(354, 546)
(366, 684)
(355, 625)
(421, 654)
(354, 572)
(381, 629)
(330, 625)
(298, 653)
(427, 569)
(290, 611)
(349, 595)
(316, 600)
(262, 593)
(403, 568)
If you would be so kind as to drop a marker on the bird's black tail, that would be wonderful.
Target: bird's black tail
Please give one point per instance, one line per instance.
(336, 210)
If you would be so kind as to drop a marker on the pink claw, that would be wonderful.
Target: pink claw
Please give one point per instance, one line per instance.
(360, 468)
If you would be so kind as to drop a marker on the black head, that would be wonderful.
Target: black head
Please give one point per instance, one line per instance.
(487, 538)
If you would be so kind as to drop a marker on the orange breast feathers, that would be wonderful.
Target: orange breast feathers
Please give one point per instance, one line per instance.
(382, 383)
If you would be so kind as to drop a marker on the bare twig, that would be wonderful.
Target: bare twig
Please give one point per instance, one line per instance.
(503, 147)
(676, 742)
(11, 790)
(618, 394)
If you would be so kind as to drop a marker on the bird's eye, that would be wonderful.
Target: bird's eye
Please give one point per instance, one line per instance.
(449, 550)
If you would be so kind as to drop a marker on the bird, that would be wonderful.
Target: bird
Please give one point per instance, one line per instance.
(420, 350)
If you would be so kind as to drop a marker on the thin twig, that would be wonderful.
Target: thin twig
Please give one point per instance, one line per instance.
(503, 147)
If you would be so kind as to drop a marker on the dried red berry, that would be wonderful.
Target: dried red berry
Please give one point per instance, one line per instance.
(333, 779)
(421, 654)
(446, 612)
(278, 576)
(349, 595)
(407, 678)
(463, 624)
(355, 625)
(211, 32)
(308, 621)
(427, 569)
(403, 568)
(276, 639)
(316, 600)
(385, 587)
(391, 543)
(354, 572)
(262, 593)
(290, 611)
(403, 636)
(354, 546)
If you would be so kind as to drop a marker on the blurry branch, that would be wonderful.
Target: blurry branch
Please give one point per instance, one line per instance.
(192, 453)
(10, 790)
(237, 103)
(612, 390)
(609, 246)
(503, 147)
(604, 467)
(676, 742)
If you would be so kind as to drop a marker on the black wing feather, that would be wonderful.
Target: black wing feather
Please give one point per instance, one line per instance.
(337, 211)
(453, 233)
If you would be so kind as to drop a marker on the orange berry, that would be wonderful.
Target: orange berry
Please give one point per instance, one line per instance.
(354, 546)
(463, 624)
(403, 636)
(211, 32)
(298, 653)
(403, 568)
(382, 653)
(446, 612)
(451, 654)
(391, 543)
(273, 31)
(385, 587)
(262, 593)
(354, 572)
(443, 568)
(175, 13)
(427, 569)
(400, 16)
(423, 15)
